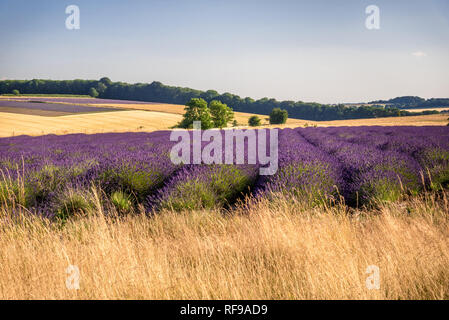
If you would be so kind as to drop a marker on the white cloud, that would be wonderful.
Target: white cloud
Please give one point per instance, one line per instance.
(419, 54)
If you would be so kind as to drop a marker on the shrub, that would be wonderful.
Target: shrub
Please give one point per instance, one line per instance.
(136, 181)
(204, 187)
(72, 203)
(93, 92)
(15, 92)
(121, 202)
(278, 116)
(254, 121)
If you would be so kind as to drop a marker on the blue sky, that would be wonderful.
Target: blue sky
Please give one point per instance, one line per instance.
(290, 50)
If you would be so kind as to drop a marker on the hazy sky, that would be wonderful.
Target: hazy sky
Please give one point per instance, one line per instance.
(290, 50)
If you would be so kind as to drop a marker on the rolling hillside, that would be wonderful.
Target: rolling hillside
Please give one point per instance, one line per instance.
(136, 117)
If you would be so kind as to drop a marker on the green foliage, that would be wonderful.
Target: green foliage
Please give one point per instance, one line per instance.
(101, 88)
(72, 203)
(196, 110)
(224, 186)
(12, 194)
(93, 92)
(254, 121)
(137, 182)
(383, 191)
(278, 116)
(316, 191)
(411, 102)
(15, 92)
(437, 164)
(221, 114)
(235, 123)
(43, 183)
(106, 81)
(121, 201)
(191, 195)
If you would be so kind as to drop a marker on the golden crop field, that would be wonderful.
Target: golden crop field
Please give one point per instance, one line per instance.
(12, 124)
(241, 117)
(426, 120)
(428, 109)
(157, 116)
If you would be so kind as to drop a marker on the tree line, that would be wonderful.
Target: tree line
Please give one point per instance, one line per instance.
(158, 92)
(410, 102)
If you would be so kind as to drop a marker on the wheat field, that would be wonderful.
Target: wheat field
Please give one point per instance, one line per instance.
(428, 109)
(240, 117)
(259, 251)
(13, 124)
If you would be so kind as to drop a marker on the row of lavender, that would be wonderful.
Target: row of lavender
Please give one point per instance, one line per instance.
(53, 175)
(427, 145)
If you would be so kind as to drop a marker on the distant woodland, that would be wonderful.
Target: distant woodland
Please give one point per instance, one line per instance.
(158, 92)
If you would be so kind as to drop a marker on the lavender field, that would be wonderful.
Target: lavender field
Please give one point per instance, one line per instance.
(53, 176)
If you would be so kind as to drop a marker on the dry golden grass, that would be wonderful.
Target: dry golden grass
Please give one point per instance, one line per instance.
(426, 120)
(428, 109)
(241, 117)
(260, 252)
(117, 121)
(150, 106)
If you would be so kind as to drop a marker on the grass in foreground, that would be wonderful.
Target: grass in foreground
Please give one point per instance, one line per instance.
(258, 251)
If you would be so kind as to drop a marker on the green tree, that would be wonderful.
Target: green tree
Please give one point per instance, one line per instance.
(16, 92)
(106, 81)
(254, 121)
(209, 95)
(221, 114)
(101, 88)
(278, 116)
(93, 92)
(196, 110)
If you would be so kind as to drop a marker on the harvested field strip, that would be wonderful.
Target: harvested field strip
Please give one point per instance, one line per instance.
(80, 100)
(119, 121)
(53, 107)
(33, 112)
(428, 109)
